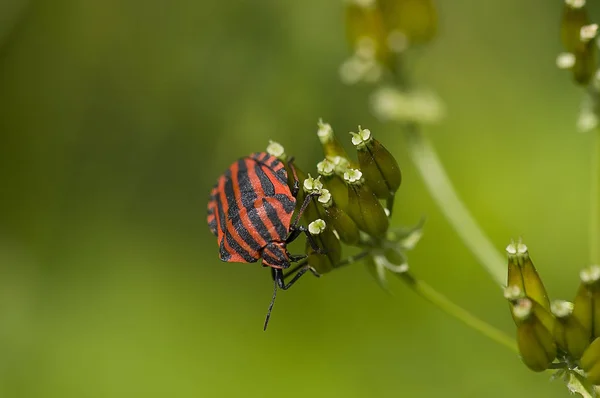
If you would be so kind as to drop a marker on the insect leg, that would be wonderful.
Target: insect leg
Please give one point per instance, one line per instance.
(294, 258)
(294, 233)
(279, 277)
(300, 265)
(307, 200)
(272, 300)
(296, 186)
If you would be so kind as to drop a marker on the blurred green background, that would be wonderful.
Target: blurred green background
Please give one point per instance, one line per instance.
(116, 118)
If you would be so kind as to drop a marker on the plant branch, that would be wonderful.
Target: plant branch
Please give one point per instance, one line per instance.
(442, 302)
(441, 189)
(594, 231)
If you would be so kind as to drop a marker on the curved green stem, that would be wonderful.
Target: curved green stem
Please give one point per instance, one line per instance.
(594, 231)
(443, 303)
(441, 189)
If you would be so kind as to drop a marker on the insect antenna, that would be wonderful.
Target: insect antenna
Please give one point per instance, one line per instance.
(271, 305)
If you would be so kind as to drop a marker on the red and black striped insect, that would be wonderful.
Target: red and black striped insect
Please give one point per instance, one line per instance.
(250, 211)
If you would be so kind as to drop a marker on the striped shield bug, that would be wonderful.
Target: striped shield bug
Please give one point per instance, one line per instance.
(250, 211)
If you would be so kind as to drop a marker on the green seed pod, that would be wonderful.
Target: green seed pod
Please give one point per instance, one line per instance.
(380, 169)
(328, 242)
(416, 19)
(364, 207)
(522, 273)
(366, 30)
(569, 334)
(590, 362)
(334, 182)
(574, 17)
(339, 220)
(586, 306)
(514, 295)
(331, 145)
(536, 343)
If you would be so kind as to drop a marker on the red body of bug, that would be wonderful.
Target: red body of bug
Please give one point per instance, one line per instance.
(250, 211)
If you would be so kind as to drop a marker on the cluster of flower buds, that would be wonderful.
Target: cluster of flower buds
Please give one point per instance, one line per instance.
(560, 330)
(351, 200)
(378, 30)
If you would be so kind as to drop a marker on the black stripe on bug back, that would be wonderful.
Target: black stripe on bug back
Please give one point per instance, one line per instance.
(249, 197)
(274, 164)
(280, 229)
(224, 255)
(259, 156)
(265, 182)
(239, 249)
(288, 205)
(234, 215)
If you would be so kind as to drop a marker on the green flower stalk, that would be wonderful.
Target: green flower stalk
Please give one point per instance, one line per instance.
(378, 166)
(364, 207)
(330, 245)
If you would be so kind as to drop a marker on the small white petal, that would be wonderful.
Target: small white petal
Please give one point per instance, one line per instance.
(317, 226)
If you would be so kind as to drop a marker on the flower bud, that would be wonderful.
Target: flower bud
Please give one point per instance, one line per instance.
(586, 306)
(569, 334)
(329, 244)
(514, 295)
(536, 343)
(364, 207)
(380, 169)
(522, 273)
(334, 182)
(416, 19)
(331, 145)
(339, 220)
